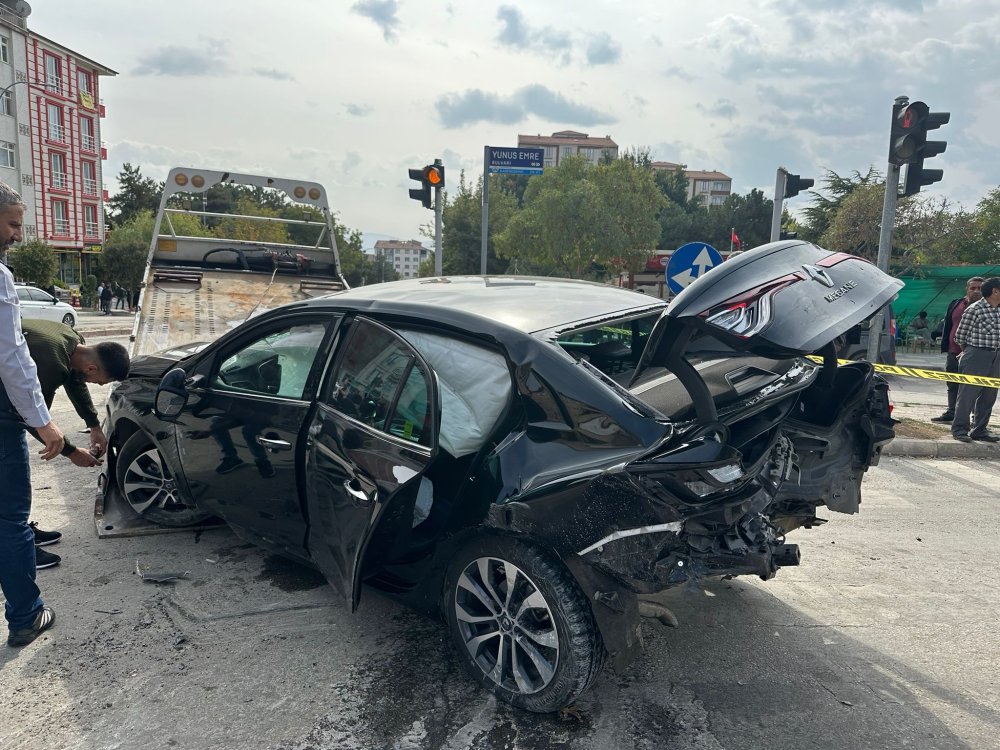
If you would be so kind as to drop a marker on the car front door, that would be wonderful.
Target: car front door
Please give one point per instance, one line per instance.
(240, 438)
(30, 307)
(373, 434)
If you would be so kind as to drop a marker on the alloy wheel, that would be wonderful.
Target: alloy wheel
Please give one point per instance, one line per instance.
(148, 483)
(507, 625)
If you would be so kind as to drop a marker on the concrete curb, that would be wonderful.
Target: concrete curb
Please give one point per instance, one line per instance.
(943, 448)
(89, 333)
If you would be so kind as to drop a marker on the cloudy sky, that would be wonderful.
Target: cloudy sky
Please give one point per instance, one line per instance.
(353, 93)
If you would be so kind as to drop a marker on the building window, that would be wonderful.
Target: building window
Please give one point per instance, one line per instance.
(90, 220)
(719, 187)
(4, 49)
(85, 81)
(89, 177)
(60, 218)
(718, 200)
(53, 73)
(6, 104)
(7, 151)
(57, 163)
(56, 130)
(87, 142)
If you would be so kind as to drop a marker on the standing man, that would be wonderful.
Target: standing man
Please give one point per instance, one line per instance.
(973, 293)
(978, 335)
(21, 403)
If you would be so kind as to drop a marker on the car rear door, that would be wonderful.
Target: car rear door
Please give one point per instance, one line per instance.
(374, 433)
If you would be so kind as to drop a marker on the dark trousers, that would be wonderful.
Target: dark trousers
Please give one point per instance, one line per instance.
(17, 542)
(951, 365)
(974, 399)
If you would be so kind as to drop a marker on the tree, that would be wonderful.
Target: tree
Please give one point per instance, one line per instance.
(563, 224)
(817, 217)
(855, 226)
(123, 258)
(462, 221)
(633, 202)
(34, 262)
(248, 229)
(135, 194)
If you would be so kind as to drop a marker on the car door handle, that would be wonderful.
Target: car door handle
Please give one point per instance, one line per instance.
(361, 498)
(273, 444)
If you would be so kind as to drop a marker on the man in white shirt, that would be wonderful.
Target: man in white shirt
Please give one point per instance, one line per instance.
(21, 403)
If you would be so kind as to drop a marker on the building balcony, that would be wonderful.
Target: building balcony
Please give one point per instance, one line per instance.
(54, 84)
(89, 186)
(57, 132)
(14, 19)
(60, 227)
(87, 143)
(60, 181)
(90, 229)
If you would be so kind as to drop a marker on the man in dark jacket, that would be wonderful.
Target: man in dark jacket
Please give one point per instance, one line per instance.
(973, 293)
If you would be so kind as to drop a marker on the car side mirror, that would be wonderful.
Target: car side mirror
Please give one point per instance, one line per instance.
(171, 395)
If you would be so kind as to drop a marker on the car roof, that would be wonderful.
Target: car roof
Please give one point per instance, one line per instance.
(526, 303)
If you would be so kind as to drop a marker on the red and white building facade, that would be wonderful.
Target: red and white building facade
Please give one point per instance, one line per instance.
(50, 142)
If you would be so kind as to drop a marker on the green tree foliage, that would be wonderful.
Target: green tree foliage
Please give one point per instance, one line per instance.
(251, 230)
(981, 244)
(818, 217)
(575, 215)
(855, 225)
(462, 220)
(34, 262)
(135, 194)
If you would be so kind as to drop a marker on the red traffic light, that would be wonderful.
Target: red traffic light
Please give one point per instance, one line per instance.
(434, 175)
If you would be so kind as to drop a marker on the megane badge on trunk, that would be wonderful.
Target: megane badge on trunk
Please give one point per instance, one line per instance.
(818, 274)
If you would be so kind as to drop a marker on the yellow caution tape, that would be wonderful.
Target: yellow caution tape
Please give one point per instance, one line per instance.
(916, 372)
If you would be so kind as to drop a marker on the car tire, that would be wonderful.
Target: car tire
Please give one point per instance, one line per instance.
(150, 488)
(546, 649)
(69, 320)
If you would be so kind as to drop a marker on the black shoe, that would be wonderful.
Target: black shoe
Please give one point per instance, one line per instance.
(45, 620)
(962, 438)
(45, 559)
(986, 438)
(44, 538)
(227, 465)
(948, 416)
(265, 468)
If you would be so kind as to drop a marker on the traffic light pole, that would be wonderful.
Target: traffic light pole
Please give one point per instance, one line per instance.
(438, 208)
(885, 246)
(779, 197)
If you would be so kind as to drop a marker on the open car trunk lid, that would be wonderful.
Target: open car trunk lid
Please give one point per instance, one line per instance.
(780, 300)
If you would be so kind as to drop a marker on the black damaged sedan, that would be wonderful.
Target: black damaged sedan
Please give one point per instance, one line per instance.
(529, 457)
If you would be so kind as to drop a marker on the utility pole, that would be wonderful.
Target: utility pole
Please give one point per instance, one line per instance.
(779, 197)
(484, 234)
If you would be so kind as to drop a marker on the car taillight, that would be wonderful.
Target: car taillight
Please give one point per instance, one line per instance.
(749, 313)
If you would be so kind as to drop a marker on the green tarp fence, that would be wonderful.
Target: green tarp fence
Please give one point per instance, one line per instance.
(931, 288)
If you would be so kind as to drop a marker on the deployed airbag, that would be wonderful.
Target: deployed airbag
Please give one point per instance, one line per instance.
(475, 389)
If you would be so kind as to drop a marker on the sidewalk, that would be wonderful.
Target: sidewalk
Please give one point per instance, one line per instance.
(95, 324)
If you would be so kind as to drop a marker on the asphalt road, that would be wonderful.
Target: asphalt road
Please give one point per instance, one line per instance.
(883, 638)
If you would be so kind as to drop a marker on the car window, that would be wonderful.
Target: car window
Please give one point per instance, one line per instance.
(39, 296)
(613, 347)
(23, 295)
(276, 364)
(380, 382)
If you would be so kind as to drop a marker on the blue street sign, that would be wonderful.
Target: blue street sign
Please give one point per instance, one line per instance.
(689, 262)
(516, 160)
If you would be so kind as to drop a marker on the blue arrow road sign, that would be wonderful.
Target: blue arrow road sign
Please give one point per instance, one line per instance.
(516, 160)
(689, 262)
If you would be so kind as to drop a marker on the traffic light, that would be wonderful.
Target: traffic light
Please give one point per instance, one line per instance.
(430, 177)
(908, 143)
(794, 184)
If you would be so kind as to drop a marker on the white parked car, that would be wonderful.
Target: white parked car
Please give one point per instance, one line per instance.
(38, 304)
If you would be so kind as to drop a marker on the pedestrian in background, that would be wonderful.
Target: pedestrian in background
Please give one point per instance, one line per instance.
(120, 297)
(106, 295)
(21, 405)
(920, 328)
(978, 335)
(973, 293)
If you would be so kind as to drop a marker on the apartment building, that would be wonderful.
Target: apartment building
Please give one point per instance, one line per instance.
(50, 140)
(710, 187)
(404, 255)
(570, 143)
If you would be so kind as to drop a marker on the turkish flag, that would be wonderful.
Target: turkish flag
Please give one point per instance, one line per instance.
(736, 240)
